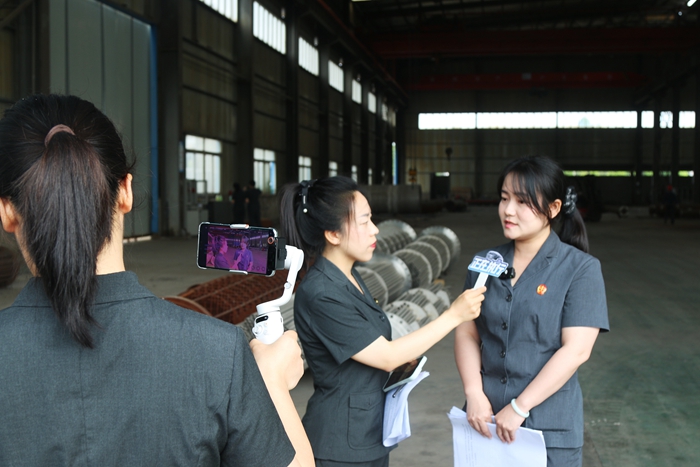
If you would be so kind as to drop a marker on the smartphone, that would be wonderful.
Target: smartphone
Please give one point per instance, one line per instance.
(405, 373)
(237, 248)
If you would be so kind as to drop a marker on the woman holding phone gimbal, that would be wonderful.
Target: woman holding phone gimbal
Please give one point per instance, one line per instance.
(96, 369)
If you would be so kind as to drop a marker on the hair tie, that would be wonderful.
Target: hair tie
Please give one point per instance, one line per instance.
(570, 201)
(57, 129)
(305, 185)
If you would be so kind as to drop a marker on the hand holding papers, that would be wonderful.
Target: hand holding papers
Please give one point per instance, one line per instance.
(471, 449)
(396, 424)
(492, 265)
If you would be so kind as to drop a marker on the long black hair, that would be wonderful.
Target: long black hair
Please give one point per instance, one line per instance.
(540, 181)
(312, 207)
(64, 188)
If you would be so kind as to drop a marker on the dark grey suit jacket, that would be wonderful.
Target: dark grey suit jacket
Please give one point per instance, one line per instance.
(163, 386)
(520, 329)
(335, 321)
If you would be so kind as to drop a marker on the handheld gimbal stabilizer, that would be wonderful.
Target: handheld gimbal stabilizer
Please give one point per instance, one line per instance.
(269, 325)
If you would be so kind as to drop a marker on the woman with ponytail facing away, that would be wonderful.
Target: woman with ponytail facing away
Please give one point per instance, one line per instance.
(518, 360)
(96, 370)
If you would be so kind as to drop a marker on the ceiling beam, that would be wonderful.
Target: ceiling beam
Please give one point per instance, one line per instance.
(536, 42)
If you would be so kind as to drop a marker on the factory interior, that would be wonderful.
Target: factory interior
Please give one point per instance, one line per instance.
(422, 103)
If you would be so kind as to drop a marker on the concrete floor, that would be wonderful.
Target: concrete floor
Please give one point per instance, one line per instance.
(641, 386)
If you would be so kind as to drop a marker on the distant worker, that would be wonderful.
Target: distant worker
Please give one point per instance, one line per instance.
(238, 201)
(670, 203)
(253, 196)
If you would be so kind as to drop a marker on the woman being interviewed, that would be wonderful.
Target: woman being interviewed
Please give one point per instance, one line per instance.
(96, 369)
(345, 335)
(518, 360)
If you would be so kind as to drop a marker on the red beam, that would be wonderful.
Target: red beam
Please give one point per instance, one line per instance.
(536, 42)
(596, 79)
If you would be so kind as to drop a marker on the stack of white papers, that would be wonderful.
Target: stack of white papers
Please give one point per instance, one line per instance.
(472, 449)
(396, 424)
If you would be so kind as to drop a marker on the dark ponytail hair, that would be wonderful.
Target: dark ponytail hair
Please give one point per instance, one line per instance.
(310, 208)
(64, 189)
(539, 181)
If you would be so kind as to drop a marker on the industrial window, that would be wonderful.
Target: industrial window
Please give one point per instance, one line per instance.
(356, 91)
(516, 120)
(203, 163)
(269, 29)
(666, 119)
(228, 8)
(391, 115)
(597, 119)
(372, 102)
(547, 120)
(332, 169)
(369, 176)
(304, 168)
(353, 174)
(447, 121)
(686, 119)
(265, 170)
(385, 112)
(335, 76)
(624, 173)
(308, 57)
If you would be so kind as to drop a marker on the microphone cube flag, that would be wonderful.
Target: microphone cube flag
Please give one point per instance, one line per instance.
(492, 265)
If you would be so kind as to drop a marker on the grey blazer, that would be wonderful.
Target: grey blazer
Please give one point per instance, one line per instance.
(163, 386)
(335, 321)
(520, 329)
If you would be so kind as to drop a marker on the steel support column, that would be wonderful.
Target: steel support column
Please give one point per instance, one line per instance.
(323, 104)
(675, 134)
(244, 115)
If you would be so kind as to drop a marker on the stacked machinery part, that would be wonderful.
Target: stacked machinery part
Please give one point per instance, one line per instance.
(399, 327)
(376, 285)
(431, 254)
(418, 264)
(412, 313)
(434, 301)
(394, 235)
(441, 246)
(448, 236)
(395, 273)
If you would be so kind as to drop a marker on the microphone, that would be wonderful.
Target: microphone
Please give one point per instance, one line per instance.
(509, 273)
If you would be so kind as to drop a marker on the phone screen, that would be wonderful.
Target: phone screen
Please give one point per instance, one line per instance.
(404, 373)
(249, 250)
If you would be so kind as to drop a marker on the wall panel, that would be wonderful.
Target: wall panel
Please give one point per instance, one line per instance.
(141, 122)
(7, 94)
(85, 72)
(104, 56)
(269, 133)
(205, 115)
(268, 64)
(215, 32)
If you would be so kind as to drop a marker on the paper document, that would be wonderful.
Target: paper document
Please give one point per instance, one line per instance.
(472, 449)
(396, 424)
